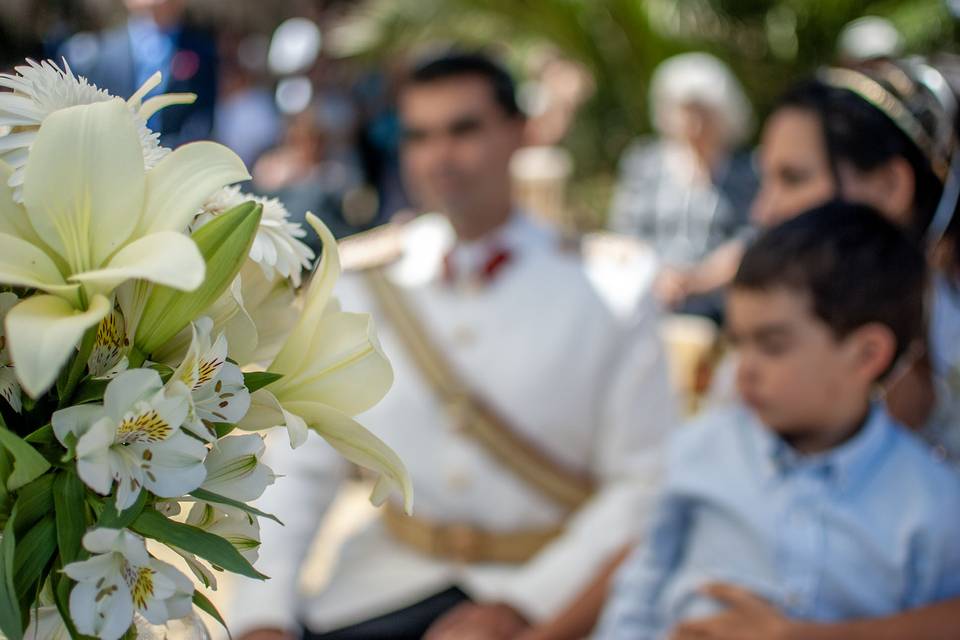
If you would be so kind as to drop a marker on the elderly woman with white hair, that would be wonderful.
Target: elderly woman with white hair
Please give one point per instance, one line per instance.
(688, 191)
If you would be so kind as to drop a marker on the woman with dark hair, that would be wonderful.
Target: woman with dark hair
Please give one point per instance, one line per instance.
(883, 134)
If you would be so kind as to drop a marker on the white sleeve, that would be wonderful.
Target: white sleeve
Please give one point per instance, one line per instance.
(635, 413)
(307, 482)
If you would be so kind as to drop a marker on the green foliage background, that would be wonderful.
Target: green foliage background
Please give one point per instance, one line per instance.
(768, 45)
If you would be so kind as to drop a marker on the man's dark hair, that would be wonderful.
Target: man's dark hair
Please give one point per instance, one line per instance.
(857, 268)
(463, 64)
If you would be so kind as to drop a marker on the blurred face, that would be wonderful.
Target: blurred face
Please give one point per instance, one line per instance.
(795, 174)
(791, 370)
(794, 169)
(700, 127)
(457, 147)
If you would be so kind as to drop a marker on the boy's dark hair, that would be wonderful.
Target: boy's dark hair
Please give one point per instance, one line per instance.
(857, 267)
(462, 64)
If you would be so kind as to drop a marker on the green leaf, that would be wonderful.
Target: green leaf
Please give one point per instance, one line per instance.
(210, 496)
(90, 390)
(43, 435)
(10, 621)
(164, 371)
(223, 428)
(256, 380)
(6, 468)
(34, 551)
(68, 498)
(78, 368)
(224, 243)
(110, 519)
(34, 501)
(204, 604)
(208, 546)
(28, 464)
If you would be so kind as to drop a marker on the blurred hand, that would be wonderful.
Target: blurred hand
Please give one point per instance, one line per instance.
(268, 634)
(471, 621)
(672, 287)
(748, 617)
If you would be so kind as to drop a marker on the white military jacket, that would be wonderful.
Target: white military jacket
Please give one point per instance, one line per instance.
(566, 348)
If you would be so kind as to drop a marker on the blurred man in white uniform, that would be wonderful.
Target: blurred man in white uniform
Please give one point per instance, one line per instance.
(528, 407)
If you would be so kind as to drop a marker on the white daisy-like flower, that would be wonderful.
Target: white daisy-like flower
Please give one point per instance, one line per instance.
(276, 247)
(37, 89)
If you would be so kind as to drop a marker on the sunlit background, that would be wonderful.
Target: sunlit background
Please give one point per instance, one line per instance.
(304, 90)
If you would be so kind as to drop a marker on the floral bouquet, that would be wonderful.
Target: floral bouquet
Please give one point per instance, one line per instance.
(150, 333)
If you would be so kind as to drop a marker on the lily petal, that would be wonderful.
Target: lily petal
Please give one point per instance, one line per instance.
(22, 264)
(13, 217)
(344, 367)
(358, 445)
(85, 181)
(43, 332)
(182, 181)
(318, 295)
(265, 412)
(167, 257)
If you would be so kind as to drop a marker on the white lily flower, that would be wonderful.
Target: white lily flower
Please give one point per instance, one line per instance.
(134, 440)
(216, 390)
(93, 218)
(273, 309)
(276, 247)
(333, 368)
(234, 469)
(237, 527)
(39, 89)
(120, 578)
(9, 387)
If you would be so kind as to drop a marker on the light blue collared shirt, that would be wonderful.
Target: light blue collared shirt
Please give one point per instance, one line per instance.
(864, 530)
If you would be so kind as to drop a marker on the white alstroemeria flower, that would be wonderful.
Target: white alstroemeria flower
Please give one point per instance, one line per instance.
(134, 440)
(39, 89)
(108, 358)
(216, 391)
(234, 469)
(237, 527)
(333, 368)
(9, 387)
(276, 247)
(120, 578)
(92, 219)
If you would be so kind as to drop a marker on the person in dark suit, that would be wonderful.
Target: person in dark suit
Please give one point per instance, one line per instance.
(156, 37)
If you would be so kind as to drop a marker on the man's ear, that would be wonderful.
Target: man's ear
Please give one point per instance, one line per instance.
(873, 348)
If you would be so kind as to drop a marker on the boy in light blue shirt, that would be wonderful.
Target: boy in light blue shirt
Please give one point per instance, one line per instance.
(808, 494)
